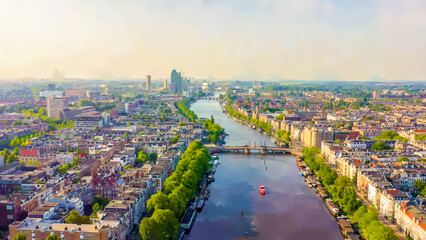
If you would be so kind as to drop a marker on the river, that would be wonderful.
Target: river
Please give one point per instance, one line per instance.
(289, 210)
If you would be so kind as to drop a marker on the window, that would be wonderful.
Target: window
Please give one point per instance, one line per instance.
(10, 217)
(9, 207)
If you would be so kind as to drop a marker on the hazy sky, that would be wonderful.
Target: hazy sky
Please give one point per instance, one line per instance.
(224, 39)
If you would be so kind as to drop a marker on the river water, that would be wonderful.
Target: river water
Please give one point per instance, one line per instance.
(289, 210)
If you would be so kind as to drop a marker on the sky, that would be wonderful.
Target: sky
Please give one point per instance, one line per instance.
(356, 40)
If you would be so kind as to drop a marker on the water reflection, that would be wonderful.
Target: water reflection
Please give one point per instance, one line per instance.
(289, 210)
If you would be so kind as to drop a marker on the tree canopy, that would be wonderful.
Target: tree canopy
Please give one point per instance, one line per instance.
(76, 218)
(380, 146)
(168, 206)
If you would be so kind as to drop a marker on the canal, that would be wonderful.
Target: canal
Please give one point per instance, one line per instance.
(289, 210)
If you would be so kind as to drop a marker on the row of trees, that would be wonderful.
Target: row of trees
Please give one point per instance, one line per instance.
(19, 141)
(183, 107)
(54, 124)
(260, 124)
(167, 207)
(214, 129)
(343, 193)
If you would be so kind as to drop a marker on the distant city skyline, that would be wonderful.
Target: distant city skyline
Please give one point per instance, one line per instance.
(224, 40)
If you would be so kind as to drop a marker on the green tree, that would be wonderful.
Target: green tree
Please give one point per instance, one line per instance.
(168, 221)
(150, 229)
(101, 201)
(158, 201)
(153, 156)
(96, 129)
(96, 208)
(403, 159)
(419, 185)
(380, 146)
(20, 236)
(52, 237)
(142, 157)
(76, 218)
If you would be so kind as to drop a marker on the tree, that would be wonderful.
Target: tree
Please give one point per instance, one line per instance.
(150, 229)
(96, 129)
(350, 126)
(52, 237)
(153, 156)
(76, 218)
(380, 146)
(142, 157)
(63, 169)
(403, 159)
(20, 236)
(158, 201)
(102, 202)
(338, 141)
(168, 221)
(175, 139)
(76, 180)
(76, 161)
(419, 185)
(95, 208)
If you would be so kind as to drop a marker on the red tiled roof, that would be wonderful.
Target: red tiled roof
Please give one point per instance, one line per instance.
(419, 130)
(392, 191)
(29, 152)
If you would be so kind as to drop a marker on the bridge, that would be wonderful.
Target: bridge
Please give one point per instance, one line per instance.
(248, 149)
(207, 98)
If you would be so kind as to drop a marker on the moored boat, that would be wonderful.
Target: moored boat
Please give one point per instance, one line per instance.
(332, 207)
(200, 204)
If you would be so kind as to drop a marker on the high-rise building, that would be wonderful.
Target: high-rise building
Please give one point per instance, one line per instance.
(313, 136)
(165, 83)
(51, 86)
(148, 83)
(54, 105)
(176, 82)
(376, 94)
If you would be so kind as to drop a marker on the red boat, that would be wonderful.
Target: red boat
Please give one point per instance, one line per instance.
(262, 190)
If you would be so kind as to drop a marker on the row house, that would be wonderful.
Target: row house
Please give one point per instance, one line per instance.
(364, 178)
(405, 178)
(350, 167)
(375, 186)
(40, 230)
(331, 151)
(10, 183)
(10, 211)
(389, 199)
(412, 220)
(106, 185)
